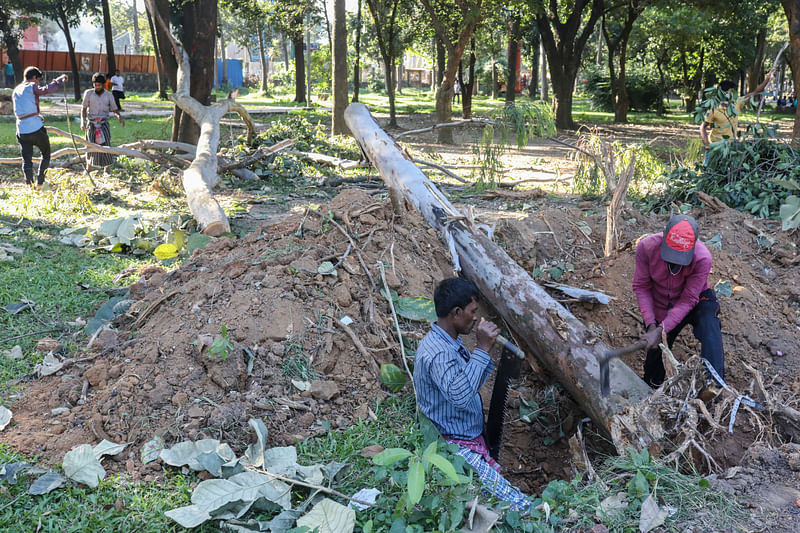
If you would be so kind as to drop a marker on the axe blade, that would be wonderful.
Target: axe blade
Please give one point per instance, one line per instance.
(605, 363)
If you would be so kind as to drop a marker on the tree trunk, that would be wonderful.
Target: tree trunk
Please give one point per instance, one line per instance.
(546, 329)
(757, 67)
(357, 63)
(388, 65)
(562, 95)
(299, 70)
(543, 75)
(286, 53)
(339, 68)
(162, 77)
(468, 87)
(327, 27)
(441, 59)
(199, 38)
(12, 45)
(495, 82)
(112, 61)
(533, 85)
(262, 56)
(76, 83)
(792, 10)
(618, 46)
(224, 58)
(137, 37)
(513, 50)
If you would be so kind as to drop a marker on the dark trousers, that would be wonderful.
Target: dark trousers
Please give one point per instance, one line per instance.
(704, 319)
(27, 141)
(118, 95)
(9, 80)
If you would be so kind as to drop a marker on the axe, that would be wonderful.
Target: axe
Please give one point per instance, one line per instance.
(605, 359)
(508, 368)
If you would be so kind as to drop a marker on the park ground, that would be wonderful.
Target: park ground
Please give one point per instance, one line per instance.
(260, 288)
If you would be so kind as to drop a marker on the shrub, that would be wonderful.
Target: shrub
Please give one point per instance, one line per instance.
(643, 91)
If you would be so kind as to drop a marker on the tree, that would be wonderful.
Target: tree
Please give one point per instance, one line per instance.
(357, 62)
(66, 14)
(11, 30)
(339, 68)
(564, 40)
(616, 27)
(454, 23)
(792, 10)
(288, 17)
(111, 60)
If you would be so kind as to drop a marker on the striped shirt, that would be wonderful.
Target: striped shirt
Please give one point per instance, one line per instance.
(447, 378)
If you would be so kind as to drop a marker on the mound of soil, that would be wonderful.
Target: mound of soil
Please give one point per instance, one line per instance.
(282, 317)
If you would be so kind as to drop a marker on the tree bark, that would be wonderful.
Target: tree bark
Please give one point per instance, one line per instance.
(64, 23)
(757, 67)
(792, 10)
(441, 59)
(299, 69)
(262, 56)
(513, 50)
(467, 87)
(560, 341)
(357, 63)
(618, 47)
(339, 68)
(137, 37)
(224, 58)
(388, 66)
(111, 60)
(162, 77)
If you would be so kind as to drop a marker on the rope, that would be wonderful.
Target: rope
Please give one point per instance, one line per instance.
(72, 137)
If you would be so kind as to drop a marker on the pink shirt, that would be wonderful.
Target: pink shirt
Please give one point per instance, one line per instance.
(663, 297)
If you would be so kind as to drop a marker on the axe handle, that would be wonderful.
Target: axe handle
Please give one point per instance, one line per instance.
(513, 348)
(619, 352)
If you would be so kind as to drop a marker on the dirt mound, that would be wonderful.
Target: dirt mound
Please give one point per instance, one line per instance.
(276, 307)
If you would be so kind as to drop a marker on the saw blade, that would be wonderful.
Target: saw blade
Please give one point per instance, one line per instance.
(508, 368)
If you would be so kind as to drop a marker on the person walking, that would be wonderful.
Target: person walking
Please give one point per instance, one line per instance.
(98, 104)
(8, 70)
(30, 125)
(457, 92)
(117, 88)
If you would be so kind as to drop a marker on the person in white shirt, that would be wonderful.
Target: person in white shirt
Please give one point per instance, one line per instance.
(117, 82)
(98, 104)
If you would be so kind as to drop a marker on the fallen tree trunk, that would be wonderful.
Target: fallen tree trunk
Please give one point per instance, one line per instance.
(560, 341)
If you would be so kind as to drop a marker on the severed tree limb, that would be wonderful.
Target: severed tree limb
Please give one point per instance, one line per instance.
(322, 159)
(257, 156)
(615, 206)
(447, 125)
(201, 176)
(441, 169)
(565, 346)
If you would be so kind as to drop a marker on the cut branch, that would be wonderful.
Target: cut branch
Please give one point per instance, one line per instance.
(322, 159)
(447, 125)
(560, 341)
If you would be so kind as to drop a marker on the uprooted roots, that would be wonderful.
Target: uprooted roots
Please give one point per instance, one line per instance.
(693, 424)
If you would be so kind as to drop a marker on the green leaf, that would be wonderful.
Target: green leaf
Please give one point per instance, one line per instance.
(390, 456)
(127, 229)
(430, 449)
(178, 239)
(638, 486)
(444, 465)
(197, 241)
(416, 308)
(723, 288)
(165, 251)
(81, 465)
(790, 213)
(556, 273)
(109, 228)
(151, 449)
(789, 184)
(393, 294)
(108, 448)
(185, 453)
(704, 483)
(392, 377)
(416, 482)
(327, 516)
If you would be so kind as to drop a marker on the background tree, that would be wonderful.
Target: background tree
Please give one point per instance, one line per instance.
(792, 10)
(565, 27)
(107, 30)
(339, 68)
(12, 24)
(514, 37)
(454, 22)
(357, 60)
(617, 25)
(288, 16)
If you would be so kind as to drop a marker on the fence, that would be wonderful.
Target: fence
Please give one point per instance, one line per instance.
(87, 62)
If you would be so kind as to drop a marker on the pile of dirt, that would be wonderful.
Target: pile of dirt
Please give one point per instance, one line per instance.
(276, 306)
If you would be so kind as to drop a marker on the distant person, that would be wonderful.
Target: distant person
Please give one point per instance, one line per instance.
(98, 104)
(30, 126)
(670, 281)
(8, 70)
(457, 92)
(720, 123)
(117, 82)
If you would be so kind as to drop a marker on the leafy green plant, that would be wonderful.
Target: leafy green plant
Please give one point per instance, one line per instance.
(222, 347)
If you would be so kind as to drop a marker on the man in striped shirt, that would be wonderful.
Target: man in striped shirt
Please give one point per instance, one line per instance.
(448, 380)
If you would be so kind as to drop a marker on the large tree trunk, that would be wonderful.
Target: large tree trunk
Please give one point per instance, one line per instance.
(76, 81)
(199, 37)
(468, 86)
(299, 69)
(618, 48)
(560, 341)
(112, 61)
(792, 10)
(513, 51)
(162, 77)
(137, 37)
(262, 56)
(757, 67)
(339, 68)
(388, 66)
(11, 43)
(357, 62)
(563, 84)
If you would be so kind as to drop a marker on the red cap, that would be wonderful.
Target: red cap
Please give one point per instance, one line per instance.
(680, 237)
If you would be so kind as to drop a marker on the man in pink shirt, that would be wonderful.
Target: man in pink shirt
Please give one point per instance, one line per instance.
(671, 284)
